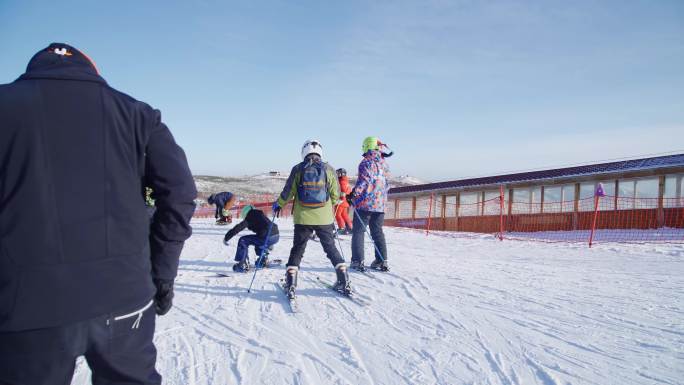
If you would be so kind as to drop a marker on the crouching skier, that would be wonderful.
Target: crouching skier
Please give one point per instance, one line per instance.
(256, 221)
(313, 184)
(224, 202)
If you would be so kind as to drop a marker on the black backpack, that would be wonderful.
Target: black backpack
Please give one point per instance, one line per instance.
(312, 190)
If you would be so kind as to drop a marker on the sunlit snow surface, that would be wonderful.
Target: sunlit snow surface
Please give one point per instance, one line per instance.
(455, 309)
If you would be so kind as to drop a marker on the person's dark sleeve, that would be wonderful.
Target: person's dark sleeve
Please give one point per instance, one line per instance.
(290, 189)
(239, 227)
(168, 173)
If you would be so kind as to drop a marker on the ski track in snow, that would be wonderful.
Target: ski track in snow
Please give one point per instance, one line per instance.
(455, 309)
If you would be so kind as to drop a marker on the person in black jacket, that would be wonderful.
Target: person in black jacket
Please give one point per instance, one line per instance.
(256, 221)
(87, 279)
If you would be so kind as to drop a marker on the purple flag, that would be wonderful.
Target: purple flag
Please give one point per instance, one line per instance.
(599, 191)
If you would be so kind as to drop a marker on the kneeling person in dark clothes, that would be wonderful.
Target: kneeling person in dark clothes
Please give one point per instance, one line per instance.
(256, 221)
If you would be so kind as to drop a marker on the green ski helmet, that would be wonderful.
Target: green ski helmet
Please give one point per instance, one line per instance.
(370, 143)
(245, 210)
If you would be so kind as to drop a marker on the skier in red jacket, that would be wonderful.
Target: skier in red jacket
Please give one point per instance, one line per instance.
(344, 223)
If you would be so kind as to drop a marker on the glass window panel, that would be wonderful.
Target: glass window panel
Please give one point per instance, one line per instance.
(568, 198)
(670, 187)
(647, 188)
(492, 206)
(405, 208)
(450, 210)
(521, 201)
(552, 199)
(608, 202)
(389, 209)
(469, 204)
(646, 193)
(536, 200)
(626, 194)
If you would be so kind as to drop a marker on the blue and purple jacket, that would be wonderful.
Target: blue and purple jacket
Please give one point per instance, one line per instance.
(370, 191)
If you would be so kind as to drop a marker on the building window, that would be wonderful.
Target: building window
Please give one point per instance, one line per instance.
(637, 193)
(568, 198)
(526, 200)
(491, 203)
(674, 191)
(450, 210)
(470, 203)
(389, 209)
(587, 190)
(553, 198)
(405, 208)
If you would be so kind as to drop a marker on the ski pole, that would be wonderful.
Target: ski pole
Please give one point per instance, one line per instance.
(356, 212)
(263, 250)
(337, 235)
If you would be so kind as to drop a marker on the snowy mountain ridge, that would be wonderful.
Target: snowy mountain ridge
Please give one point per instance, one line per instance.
(266, 184)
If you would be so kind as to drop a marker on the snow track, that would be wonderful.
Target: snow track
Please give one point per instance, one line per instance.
(455, 309)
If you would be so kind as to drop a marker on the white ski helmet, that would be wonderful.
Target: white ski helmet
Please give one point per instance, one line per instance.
(312, 146)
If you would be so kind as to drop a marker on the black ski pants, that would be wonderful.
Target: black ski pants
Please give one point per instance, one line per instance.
(118, 348)
(374, 221)
(325, 233)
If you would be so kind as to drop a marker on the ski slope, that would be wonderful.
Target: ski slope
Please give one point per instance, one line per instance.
(455, 309)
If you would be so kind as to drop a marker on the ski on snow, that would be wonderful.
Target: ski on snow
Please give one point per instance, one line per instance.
(294, 307)
(353, 297)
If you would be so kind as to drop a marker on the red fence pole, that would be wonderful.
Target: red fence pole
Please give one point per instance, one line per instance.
(429, 215)
(593, 225)
(501, 208)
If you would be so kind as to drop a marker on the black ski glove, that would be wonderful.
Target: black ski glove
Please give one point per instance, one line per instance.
(350, 199)
(164, 297)
(227, 238)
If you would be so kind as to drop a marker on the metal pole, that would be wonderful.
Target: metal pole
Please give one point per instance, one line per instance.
(263, 250)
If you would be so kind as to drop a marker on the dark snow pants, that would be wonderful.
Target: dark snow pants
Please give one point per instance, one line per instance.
(253, 240)
(325, 233)
(374, 221)
(118, 349)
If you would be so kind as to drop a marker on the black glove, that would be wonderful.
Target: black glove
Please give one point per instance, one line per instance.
(226, 238)
(164, 297)
(350, 199)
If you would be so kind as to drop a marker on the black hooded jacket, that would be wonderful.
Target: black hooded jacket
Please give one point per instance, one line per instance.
(256, 221)
(75, 156)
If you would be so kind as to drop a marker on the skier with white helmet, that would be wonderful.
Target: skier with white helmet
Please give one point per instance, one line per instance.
(314, 187)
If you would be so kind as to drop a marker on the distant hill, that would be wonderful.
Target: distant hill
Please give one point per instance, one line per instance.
(265, 186)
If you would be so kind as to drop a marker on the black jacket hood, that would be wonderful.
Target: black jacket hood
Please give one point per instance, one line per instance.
(61, 61)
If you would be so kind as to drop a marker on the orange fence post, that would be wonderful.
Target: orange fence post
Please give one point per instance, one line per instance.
(597, 195)
(429, 214)
(501, 209)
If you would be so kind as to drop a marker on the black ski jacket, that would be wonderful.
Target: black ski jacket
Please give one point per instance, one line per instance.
(255, 221)
(75, 155)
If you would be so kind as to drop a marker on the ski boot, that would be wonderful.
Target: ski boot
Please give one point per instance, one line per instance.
(341, 231)
(342, 285)
(262, 262)
(348, 230)
(242, 266)
(379, 265)
(358, 266)
(291, 281)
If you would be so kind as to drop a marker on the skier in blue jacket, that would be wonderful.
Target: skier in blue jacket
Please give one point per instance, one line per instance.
(224, 202)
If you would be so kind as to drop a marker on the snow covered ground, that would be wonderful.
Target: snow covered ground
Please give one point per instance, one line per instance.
(455, 309)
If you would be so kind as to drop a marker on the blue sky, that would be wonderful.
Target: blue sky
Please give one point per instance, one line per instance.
(457, 88)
